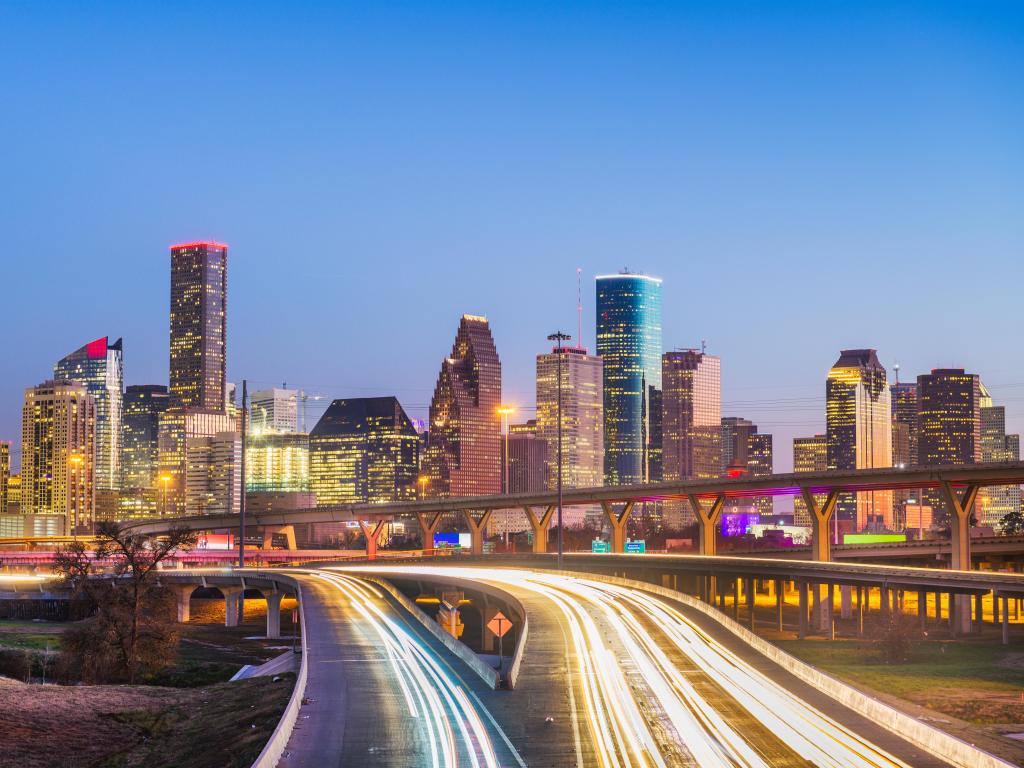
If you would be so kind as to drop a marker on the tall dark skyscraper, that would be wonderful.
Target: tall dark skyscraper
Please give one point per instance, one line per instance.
(140, 448)
(99, 367)
(858, 417)
(363, 449)
(198, 325)
(948, 424)
(463, 455)
(904, 411)
(629, 343)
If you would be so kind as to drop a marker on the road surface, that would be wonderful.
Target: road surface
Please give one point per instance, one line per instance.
(651, 682)
(379, 693)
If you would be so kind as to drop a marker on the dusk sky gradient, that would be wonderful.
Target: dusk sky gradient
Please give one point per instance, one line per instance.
(803, 176)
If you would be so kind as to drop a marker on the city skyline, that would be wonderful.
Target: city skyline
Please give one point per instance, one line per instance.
(507, 186)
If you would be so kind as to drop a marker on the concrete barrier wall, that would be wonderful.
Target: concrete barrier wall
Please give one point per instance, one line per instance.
(931, 740)
(486, 673)
(275, 746)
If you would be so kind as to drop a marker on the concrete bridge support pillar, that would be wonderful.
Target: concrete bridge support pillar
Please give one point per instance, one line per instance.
(477, 529)
(779, 595)
(428, 527)
(846, 601)
(541, 526)
(821, 516)
(232, 605)
(979, 616)
(802, 625)
(183, 594)
(827, 618)
(371, 532)
(617, 521)
(961, 505)
(707, 522)
(861, 594)
(995, 608)
(922, 607)
(274, 615)
(751, 602)
(288, 531)
(1006, 619)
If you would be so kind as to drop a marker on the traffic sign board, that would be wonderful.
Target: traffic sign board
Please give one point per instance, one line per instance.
(499, 625)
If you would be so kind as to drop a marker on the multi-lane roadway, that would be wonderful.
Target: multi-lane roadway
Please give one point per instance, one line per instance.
(612, 676)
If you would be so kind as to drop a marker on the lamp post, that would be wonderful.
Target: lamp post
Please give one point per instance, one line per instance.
(423, 480)
(558, 337)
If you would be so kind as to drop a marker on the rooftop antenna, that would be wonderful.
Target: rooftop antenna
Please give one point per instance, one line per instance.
(896, 367)
(703, 345)
(579, 307)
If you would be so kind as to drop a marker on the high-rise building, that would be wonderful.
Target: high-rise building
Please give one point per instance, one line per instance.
(997, 501)
(582, 420)
(691, 419)
(99, 367)
(629, 344)
(274, 410)
(463, 455)
(760, 463)
(14, 495)
(198, 325)
(746, 452)
(528, 459)
(140, 447)
(858, 416)
(363, 450)
(140, 450)
(903, 398)
(213, 473)
(810, 454)
(5, 474)
(277, 462)
(948, 424)
(58, 450)
(185, 485)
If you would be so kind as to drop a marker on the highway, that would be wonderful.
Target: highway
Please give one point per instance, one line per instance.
(379, 693)
(652, 684)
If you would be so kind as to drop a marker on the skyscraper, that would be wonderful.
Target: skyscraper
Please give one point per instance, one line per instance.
(529, 466)
(58, 450)
(948, 424)
(760, 463)
(629, 344)
(5, 474)
(810, 454)
(277, 462)
(185, 484)
(140, 448)
(99, 367)
(363, 450)
(691, 421)
(691, 415)
(463, 455)
(274, 410)
(858, 415)
(997, 501)
(736, 432)
(213, 473)
(903, 396)
(582, 420)
(198, 325)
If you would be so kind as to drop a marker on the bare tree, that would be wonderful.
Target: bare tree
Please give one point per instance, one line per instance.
(133, 627)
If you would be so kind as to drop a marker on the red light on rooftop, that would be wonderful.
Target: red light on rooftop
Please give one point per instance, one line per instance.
(199, 244)
(96, 350)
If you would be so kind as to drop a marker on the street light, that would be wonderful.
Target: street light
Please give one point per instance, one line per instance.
(423, 480)
(165, 479)
(558, 337)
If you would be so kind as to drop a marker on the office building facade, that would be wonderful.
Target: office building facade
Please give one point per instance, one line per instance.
(198, 357)
(948, 425)
(810, 454)
(858, 417)
(58, 450)
(995, 502)
(629, 344)
(582, 416)
(99, 367)
(277, 462)
(463, 454)
(274, 410)
(5, 475)
(363, 450)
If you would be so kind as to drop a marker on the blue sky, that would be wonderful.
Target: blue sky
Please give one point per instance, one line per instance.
(804, 176)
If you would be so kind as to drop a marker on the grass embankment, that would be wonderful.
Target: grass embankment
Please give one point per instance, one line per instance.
(217, 726)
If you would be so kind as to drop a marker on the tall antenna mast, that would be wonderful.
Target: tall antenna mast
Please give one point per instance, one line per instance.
(579, 307)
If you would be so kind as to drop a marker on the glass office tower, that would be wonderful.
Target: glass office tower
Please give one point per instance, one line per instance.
(99, 367)
(629, 343)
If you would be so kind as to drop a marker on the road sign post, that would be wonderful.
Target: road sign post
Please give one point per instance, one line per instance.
(499, 625)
